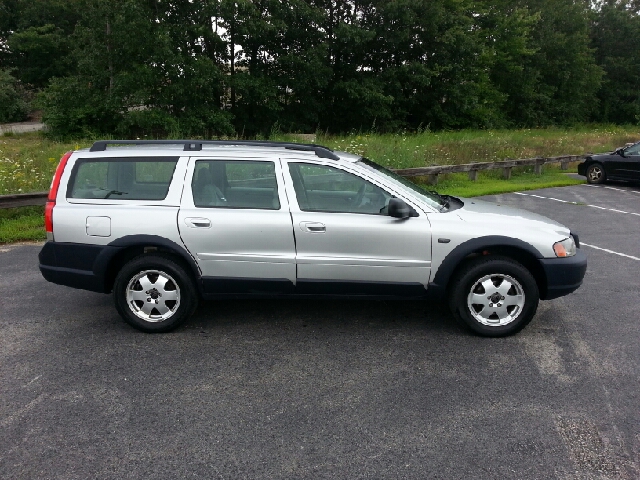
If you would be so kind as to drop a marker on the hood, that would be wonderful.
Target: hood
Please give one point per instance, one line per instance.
(505, 218)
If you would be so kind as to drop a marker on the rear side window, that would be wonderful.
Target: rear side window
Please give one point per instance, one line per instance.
(235, 184)
(122, 178)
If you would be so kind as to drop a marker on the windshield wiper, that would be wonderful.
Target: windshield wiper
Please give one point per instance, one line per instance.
(111, 192)
(443, 199)
(114, 192)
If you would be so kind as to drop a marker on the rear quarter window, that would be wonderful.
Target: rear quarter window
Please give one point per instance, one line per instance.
(122, 178)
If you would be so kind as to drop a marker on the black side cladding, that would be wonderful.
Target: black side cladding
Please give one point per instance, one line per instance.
(71, 264)
(87, 266)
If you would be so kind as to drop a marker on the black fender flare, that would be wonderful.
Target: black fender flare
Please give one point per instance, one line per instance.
(105, 257)
(475, 245)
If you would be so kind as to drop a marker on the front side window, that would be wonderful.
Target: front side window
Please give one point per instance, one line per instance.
(430, 198)
(122, 178)
(320, 188)
(235, 184)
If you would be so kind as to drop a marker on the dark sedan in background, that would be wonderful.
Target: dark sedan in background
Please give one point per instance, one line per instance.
(623, 164)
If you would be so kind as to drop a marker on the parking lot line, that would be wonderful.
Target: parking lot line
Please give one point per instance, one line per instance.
(610, 188)
(610, 251)
(577, 203)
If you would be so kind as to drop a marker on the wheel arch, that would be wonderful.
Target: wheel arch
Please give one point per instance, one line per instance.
(110, 261)
(518, 250)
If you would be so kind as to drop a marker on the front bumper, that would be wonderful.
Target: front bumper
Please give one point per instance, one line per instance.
(582, 169)
(563, 275)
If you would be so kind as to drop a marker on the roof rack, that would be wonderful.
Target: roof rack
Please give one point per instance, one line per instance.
(196, 145)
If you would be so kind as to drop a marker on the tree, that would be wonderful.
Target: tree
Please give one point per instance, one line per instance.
(13, 107)
(561, 77)
(138, 73)
(616, 39)
(34, 38)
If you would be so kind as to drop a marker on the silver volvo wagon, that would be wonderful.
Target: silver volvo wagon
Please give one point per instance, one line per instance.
(163, 224)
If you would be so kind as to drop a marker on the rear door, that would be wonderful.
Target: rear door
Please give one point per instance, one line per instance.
(234, 219)
(346, 244)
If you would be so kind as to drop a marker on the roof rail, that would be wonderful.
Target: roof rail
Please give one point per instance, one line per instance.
(196, 145)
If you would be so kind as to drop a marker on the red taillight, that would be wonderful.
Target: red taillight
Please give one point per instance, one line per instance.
(48, 217)
(53, 193)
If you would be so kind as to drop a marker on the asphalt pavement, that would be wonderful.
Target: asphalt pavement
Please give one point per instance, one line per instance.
(332, 389)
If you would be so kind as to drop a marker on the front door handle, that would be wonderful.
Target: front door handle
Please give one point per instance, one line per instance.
(197, 222)
(313, 227)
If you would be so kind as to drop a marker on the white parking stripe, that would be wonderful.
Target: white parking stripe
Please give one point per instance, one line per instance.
(610, 188)
(576, 203)
(609, 251)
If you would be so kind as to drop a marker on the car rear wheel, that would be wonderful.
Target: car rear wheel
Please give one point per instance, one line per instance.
(494, 296)
(596, 174)
(153, 293)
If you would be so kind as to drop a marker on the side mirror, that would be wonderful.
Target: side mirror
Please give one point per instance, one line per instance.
(398, 209)
(620, 151)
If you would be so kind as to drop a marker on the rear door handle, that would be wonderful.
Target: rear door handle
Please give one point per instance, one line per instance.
(197, 222)
(313, 227)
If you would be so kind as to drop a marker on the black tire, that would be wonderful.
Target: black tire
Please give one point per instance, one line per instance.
(595, 174)
(470, 282)
(147, 310)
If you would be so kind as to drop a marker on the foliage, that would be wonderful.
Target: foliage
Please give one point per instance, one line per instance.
(40, 53)
(28, 161)
(616, 38)
(13, 105)
(249, 67)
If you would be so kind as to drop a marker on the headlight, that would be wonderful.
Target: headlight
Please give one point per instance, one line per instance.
(565, 248)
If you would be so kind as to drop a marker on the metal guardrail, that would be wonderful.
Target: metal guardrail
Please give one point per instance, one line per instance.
(474, 168)
(432, 172)
(23, 199)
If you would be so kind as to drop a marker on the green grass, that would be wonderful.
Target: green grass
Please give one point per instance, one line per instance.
(489, 183)
(468, 146)
(28, 161)
(22, 224)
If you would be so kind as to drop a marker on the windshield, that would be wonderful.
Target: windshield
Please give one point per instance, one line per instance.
(432, 199)
(633, 149)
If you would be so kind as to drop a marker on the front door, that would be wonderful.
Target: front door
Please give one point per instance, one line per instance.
(628, 167)
(235, 221)
(345, 241)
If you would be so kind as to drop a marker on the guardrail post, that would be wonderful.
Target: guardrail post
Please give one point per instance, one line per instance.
(473, 175)
(564, 165)
(432, 179)
(506, 173)
(538, 167)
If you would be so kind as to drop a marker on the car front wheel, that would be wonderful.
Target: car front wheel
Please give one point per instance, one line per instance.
(494, 296)
(154, 293)
(595, 174)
